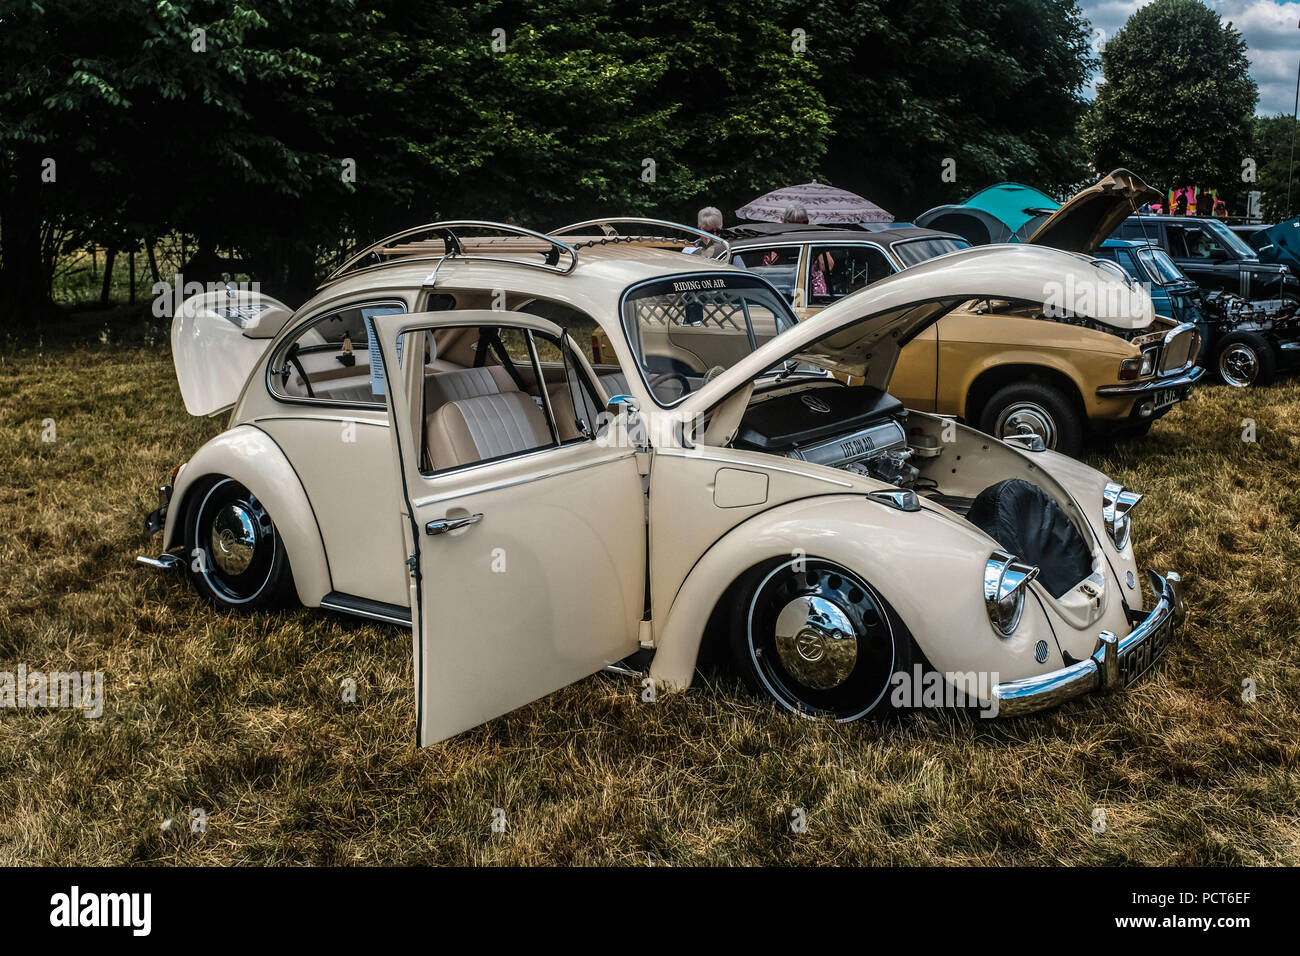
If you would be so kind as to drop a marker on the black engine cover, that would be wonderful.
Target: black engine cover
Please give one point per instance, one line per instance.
(780, 425)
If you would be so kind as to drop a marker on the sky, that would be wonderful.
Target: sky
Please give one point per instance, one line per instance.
(1271, 29)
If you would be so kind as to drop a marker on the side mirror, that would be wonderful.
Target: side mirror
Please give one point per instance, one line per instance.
(617, 404)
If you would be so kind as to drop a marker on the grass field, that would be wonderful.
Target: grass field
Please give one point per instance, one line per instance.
(242, 717)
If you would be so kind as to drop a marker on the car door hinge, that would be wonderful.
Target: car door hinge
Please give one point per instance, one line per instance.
(643, 463)
(646, 634)
(412, 563)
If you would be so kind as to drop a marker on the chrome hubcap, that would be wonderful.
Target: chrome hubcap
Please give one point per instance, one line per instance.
(1027, 418)
(1238, 365)
(816, 642)
(234, 538)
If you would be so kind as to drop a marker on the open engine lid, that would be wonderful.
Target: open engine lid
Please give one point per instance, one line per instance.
(217, 338)
(862, 334)
(1090, 216)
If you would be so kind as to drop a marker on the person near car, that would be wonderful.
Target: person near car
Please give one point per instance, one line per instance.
(818, 284)
(708, 219)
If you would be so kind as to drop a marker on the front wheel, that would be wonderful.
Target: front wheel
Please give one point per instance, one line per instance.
(1037, 409)
(817, 639)
(1245, 359)
(236, 559)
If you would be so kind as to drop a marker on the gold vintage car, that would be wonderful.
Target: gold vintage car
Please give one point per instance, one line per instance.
(424, 442)
(996, 366)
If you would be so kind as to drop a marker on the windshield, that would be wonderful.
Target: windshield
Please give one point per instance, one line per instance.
(1160, 267)
(686, 330)
(918, 250)
(1228, 238)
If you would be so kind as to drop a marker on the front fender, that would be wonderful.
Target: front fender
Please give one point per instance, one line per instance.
(249, 455)
(928, 566)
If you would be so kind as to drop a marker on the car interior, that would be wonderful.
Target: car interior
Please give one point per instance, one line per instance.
(489, 391)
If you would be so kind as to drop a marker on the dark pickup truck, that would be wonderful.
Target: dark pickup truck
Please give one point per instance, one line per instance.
(1214, 256)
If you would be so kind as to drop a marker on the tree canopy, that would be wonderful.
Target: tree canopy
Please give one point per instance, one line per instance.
(283, 130)
(1176, 99)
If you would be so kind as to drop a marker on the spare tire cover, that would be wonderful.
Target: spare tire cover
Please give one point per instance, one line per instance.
(1027, 522)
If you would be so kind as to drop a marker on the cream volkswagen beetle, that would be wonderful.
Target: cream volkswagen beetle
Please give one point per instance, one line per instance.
(425, 442)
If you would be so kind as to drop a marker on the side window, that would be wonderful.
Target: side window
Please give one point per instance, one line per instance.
(1126, 261)
(836, 271)
(779, 265)
(526, 391)
(332, 360)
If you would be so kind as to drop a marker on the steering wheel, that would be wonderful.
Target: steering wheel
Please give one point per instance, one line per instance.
(657, 380)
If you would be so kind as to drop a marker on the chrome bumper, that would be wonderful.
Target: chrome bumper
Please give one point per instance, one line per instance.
(1103, 670)
(1185, 380)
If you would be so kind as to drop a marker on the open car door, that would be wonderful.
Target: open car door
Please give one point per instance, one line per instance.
(529, 568)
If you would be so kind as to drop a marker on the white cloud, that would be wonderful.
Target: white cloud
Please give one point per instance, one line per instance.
(1271, 29)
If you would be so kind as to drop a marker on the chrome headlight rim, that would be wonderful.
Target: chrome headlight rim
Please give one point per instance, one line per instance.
(1006, 579)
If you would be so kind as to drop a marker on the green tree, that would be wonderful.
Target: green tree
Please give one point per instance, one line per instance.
(1277, 166)
(1176, 99)
(995, 86)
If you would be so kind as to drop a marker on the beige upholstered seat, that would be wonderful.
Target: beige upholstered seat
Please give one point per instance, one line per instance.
(487, 426)
(443, 387)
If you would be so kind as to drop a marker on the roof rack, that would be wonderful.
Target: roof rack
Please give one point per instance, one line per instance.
(609, 235)
(447, 242)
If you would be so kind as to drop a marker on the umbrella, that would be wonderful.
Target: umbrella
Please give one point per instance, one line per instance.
(825, 204)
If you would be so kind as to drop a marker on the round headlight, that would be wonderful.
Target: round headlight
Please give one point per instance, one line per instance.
(1005, 583)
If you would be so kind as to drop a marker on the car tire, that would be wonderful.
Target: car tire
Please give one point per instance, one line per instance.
(1245, 360)
(236, 560)
(841, 670)
(1045, 409)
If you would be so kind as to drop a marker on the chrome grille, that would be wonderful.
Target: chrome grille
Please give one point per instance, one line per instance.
(1179, 348)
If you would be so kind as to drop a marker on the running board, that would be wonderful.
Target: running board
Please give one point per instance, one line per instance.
(364, 607)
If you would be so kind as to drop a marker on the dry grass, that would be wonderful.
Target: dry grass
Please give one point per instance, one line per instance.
(242, 716)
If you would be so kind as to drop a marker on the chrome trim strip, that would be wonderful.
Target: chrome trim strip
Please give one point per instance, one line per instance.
(329, 605)
(1154, 385)
(1101, 670)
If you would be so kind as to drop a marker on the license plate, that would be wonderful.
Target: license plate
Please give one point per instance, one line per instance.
(1138, 659)
(1165, 397)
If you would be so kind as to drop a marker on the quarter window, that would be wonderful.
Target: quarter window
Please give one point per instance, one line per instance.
(331, 359)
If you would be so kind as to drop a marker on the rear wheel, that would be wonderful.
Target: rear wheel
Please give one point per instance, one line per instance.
(1245, 359)
(1037, 409)
(817, 639)
(236, 559)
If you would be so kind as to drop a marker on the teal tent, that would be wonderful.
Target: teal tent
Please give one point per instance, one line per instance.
(1007, 212)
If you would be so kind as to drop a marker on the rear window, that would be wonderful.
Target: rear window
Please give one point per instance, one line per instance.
(685, 330)
(919, 250)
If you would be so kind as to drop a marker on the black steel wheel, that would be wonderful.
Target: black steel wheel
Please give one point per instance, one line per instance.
(817, 639)
(235, 557)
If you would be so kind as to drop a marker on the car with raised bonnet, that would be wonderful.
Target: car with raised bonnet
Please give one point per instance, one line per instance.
(429, 442)
(1004, 368)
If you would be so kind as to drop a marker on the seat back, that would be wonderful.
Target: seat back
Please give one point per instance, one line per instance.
(487, 426)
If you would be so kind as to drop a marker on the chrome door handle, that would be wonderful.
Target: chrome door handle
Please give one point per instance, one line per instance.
(443, 525)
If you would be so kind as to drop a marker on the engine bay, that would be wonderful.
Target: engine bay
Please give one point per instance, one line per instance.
(857, 428)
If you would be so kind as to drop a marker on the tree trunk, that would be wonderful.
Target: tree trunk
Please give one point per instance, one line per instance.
(109, 255)
(22, 289)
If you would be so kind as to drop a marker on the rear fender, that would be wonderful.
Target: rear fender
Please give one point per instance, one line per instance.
(248, 455)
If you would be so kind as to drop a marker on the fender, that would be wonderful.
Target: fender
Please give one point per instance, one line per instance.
(943, 608)
(248, 455)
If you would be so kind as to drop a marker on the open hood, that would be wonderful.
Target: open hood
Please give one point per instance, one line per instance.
(862, 334)
(217, 338)
(1088, 218)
